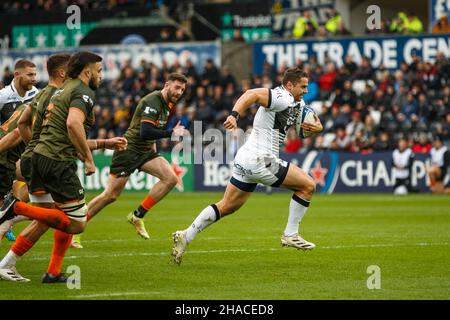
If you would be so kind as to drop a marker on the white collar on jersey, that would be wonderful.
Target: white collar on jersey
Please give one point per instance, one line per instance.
(282, 87)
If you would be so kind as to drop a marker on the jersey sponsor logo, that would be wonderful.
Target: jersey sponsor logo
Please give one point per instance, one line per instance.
(57, 93)
(242, 171)
(88, 99)
(149, 110)
(279, 93)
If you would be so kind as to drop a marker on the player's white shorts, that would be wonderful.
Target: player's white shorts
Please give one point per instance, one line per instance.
(251, 168)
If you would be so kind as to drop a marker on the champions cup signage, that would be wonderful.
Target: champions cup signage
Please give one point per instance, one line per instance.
(333, 172)
(389, 51)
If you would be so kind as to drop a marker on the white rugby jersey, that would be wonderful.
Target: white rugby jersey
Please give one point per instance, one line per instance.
(437, 156)
(401, 160)
(271, 123)
(10, 100)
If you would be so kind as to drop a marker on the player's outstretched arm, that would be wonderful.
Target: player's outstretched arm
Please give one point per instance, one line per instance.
(9, 141)
(258, 96)
(116, 143)
(150, 132)
(25, 124)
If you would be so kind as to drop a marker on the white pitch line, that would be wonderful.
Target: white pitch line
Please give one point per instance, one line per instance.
(167, 253)
(151, 239)
(113, 294)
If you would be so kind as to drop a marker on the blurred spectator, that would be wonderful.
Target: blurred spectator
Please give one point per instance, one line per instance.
(342, 141)
(305, 26)
(237, 36)
(365, 70)
(422, 145)
(293, 142)
(402, 160)
(350, 64)
(210, 75)
(442, 26)
(326, 81)
(333, 22)
(313, 91)
(8, 76)
(181, 36)
(355, 125)
(406, 23)
(383, 143)
(346, 96)
(179, 116)
(440, 161)
(164, 36)
(342, 28)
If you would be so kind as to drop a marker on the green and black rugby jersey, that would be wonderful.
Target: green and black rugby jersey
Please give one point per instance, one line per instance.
(38, 109)
(54, 142)
(9, 158)
(153, 109)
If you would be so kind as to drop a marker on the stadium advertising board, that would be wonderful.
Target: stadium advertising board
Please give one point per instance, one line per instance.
(138, 181)
(333, 172)
(115, 56)
(389, 51)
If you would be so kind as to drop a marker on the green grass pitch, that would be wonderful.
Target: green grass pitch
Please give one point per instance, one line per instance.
(240, 257)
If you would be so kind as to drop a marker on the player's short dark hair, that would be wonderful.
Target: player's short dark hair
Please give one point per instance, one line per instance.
(23, 63)
(293, 75)
(80, 60)
(55, 62)
(177, 77)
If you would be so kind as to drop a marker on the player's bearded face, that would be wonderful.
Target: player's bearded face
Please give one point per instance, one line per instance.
(27, 78)
(175, 91)
(96, 76)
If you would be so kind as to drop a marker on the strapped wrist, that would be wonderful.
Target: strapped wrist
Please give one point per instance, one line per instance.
(235, 114)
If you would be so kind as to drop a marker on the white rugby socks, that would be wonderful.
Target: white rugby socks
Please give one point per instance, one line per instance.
(9, 260)
(297, 209)
(208, 216)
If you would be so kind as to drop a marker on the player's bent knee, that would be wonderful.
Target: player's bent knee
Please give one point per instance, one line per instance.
(311, 187)
(308, 187)
(76, 227)
(77, 213)
(171, 180)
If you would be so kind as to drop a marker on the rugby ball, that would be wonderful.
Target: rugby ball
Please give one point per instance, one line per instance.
(307, 115)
